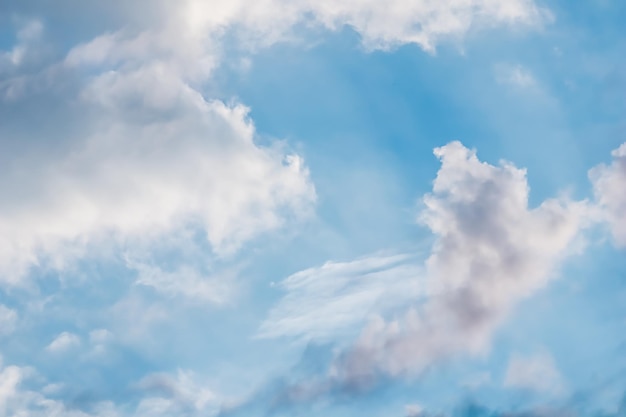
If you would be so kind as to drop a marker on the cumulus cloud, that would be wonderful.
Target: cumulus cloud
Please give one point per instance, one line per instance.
(18, 400)
(491, 251)
(326, 303)
(609, 182)
(189, 30)
(536, 373)
(161, 395)
(167, 395)
(63, 342)
(159, 158)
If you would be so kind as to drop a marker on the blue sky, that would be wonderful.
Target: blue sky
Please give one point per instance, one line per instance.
(313, 208)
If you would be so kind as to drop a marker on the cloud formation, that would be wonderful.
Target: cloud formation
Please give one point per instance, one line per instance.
(491, 251)
(168, 395)
(63, 342)
(201, 24)
(323, 304)
(609, 183)
(157, 159)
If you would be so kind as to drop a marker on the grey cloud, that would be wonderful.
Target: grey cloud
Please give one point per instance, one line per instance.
(491, 251)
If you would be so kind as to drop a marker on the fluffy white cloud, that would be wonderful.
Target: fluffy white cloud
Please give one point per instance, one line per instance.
(10, 378)
(16, 400)
(161, 395)
(536, 373)
(63, 342)
(610, 190)
(159, 158)
(168, 395)
(491, 251)
(189, 31)
(326, 303)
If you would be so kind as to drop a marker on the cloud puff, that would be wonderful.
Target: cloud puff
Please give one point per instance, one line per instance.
(17, 400)
(491, 251)
(167, 395)
(609, 184)
(63, 342)
(326, 303)
(536, 373)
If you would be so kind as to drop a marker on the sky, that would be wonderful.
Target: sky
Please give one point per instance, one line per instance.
(334, 208)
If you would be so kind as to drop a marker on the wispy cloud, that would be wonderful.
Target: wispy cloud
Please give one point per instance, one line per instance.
(326, 303)
(516, 76)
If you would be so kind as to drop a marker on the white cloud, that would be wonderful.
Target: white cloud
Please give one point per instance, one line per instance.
(168, 395)
(159, 159)
(609, 184)
(10, 378)
(191, 30)
(8, 320)
(515, 75)
(491, 251)
(422, 22)
(63, 343)
(326, 303)
(19, 399)
(536, 373)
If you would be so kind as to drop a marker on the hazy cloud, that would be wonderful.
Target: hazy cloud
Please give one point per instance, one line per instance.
(536, 373)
